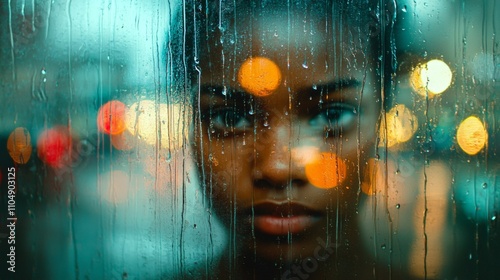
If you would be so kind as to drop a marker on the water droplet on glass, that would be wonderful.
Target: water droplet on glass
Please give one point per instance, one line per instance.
(304, 65)
(493, 218)
(315, 87)
(485, 185)
(398, 206)
(383, 246)
(43, 71)
(404, 9)
(266, 123)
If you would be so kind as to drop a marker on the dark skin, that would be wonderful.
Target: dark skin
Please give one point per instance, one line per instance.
(255, 162)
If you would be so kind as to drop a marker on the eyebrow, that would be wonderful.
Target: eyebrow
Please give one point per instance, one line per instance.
(326, 88)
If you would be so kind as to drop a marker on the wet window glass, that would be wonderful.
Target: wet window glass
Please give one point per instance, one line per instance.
(249, 139)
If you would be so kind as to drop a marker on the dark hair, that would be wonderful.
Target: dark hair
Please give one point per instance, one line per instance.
(370, 20)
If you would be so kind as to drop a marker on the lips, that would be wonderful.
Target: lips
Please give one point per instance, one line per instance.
(282, 218)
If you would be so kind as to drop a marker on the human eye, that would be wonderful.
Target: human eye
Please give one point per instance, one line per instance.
(335, 117)
(229, 119)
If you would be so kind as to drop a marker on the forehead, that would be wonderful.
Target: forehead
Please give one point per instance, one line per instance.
(301, 42)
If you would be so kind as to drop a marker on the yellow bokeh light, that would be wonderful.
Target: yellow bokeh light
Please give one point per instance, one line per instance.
(327, 171)
(123, 141)
(19, 145)
(259, 76)
(472, 135)
(431, 78)
(153, 122)
(401, 126)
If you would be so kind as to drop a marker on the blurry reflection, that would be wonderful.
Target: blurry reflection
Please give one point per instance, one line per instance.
(124, 141)
(115, 186)
(431, 224)
(406, 220)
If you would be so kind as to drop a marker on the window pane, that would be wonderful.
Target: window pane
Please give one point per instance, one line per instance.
(249, 139)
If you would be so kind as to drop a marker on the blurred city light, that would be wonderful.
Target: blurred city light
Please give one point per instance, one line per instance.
(401, 126)
(111, 117)
(327, 171)
(19, 145)
(431, 78)
(259, 76)
(472, 135)
(54, 146)
(153, 122)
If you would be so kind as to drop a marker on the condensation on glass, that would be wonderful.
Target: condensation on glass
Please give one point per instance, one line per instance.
(282, 139)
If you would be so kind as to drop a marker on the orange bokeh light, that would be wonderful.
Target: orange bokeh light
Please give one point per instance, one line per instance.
(327, 171)
(54, 145)
(19, 145)
(259, 76)
(111, 117)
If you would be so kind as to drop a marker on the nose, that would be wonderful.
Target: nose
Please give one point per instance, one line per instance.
(275, 166)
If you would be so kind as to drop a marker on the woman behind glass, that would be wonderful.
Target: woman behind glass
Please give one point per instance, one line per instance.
(287, 99)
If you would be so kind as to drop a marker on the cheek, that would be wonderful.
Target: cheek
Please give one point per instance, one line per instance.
(227, 166)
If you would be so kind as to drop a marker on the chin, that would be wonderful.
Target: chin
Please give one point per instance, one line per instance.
(287, 249)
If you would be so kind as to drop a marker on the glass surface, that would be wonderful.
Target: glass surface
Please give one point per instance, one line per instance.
(249, 139)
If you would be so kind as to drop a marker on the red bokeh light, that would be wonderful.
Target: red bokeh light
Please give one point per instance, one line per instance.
(54, 146)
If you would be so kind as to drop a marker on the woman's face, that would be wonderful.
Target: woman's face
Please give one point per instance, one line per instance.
(289, 112)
